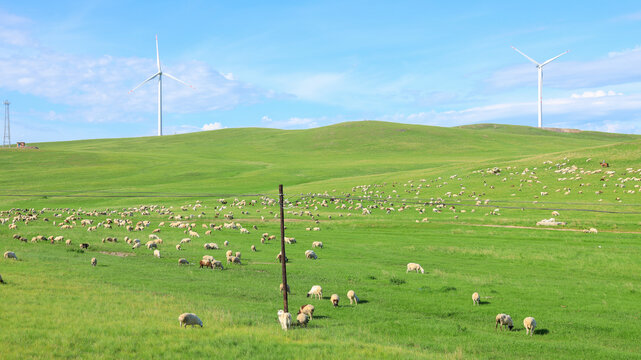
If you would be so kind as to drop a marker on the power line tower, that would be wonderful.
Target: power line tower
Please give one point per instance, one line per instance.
(6, 140)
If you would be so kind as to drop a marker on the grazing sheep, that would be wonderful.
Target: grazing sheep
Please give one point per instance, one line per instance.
(157, 253)
(555, 213)
(279, 257)
(84, 246)
(307, 310)
(178, 247)
(591, 231)
(476, 299)
(290, 241)
(529, 324)
(136, 245)
(334, 299)
(285, 319)
(207, 264)
(238, 254)
(351, 295)
(414, 267)
(309, 254)
(282, 287)
(253, 248)
(183, 262)
(193, 234)
(185, 240)
(217, 264)
(189, 319)
(504, 320)
(68, 242)
(317, 244)
(233, 260)
(10, 255)
(208, 258)
(316, 290)
(226, 243)
(302, 319)
(229, 253)
(94, 261)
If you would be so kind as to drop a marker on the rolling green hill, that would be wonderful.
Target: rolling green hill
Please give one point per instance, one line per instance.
(462, 202)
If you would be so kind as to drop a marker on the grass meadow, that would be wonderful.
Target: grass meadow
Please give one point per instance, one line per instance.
(431, 201)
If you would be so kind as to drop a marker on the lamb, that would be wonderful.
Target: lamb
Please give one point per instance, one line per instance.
(529, 324)
(157, 253)
(10, 255)
(193, 234)
(84, 246)
(226, 243)
(253, 248)
(307, 310)
(302, 319)
(309, 254)
(476, 299)
(207, 264)
(217, 264)
(68, 242)
(282, 287)
(94, 261)
(316, 290)
(238, 254)
(504, 320)
(334, 299)
(351, 295)
(183, 262)
(189, 319)
(185, 240)
(317, 244)
(285, 319)
(555, 213)
(178, 247)
(136, 245)
(414, 267)
(234, 260)
(229, 253)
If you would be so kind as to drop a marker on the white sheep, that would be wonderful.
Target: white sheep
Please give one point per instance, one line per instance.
(285, 319)
(317, 244)
(208, 258)
(529, 324)
(316, 290)
(555, 213)
(178, 247)
(183, 262)
(185, 240)
(307, 310)
(68, 242)
(189, 319)
(253, 248)
(309, 254)
(414, 267)
(504, 320)
(229, 253)
(193, 234)
(136, 245)
(302, 319)
(476, 299)
(94, 261)
(352, 297)
(334, 299)
(157, 253)
(226, 243)
(10, 255)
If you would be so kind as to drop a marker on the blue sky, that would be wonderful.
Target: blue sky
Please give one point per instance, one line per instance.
(67, 67)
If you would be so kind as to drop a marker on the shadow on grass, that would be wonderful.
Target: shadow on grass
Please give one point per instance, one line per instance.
(541, 331)
(361, 301)
(484, 302)
(320, 317)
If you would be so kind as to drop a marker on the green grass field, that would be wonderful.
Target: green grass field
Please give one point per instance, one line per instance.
(432, 201)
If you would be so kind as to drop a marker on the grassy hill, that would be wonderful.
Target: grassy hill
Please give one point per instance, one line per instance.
(462, 202)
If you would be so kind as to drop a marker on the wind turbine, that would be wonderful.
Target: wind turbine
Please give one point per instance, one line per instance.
(159, 74)
(540, 68)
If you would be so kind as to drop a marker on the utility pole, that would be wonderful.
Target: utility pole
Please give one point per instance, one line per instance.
(282, 247)
(6, 140)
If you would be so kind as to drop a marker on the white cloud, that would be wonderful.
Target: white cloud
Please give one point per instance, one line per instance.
(596, 94)
(213, 126)
(266, 119)
(97, 88)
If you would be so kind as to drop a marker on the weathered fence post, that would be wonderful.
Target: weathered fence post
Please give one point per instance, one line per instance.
(282, 247)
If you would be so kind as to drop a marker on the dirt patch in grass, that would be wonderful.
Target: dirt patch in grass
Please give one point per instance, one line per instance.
(121, 254)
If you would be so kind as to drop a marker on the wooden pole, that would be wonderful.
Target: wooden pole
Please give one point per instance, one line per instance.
(282, 247)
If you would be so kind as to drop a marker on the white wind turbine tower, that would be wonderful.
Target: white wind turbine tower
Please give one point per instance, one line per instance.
(159, 74)
(540, 68)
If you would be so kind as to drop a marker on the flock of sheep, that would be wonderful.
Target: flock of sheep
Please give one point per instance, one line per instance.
(363, 200)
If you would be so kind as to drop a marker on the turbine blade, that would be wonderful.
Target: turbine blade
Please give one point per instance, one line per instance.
(556, 57)
(157, 54)
(175, 78)
(529, 58)
(142, 83)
